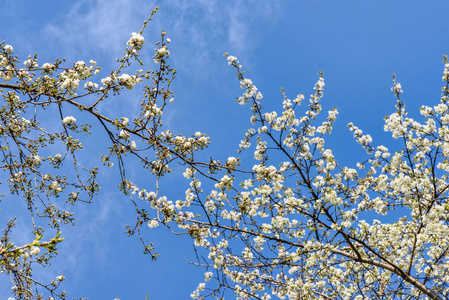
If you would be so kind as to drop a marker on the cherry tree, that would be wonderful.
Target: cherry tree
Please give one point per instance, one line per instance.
(289, 222)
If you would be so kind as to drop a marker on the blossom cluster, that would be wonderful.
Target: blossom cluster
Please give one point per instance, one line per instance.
(275, 215)
(136, 41)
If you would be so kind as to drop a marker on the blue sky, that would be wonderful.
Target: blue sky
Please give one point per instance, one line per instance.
(357, 44)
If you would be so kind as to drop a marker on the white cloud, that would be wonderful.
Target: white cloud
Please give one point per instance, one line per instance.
(101, 25)
(201, 28)
(206, 29)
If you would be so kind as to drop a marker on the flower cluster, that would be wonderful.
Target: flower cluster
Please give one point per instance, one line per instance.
(250, 91)
(129, 81)
(70, 78)
(68, 120)
(136, 41)
(280, 210)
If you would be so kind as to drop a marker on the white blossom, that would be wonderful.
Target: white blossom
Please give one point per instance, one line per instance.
(153, 223)
(68, 120)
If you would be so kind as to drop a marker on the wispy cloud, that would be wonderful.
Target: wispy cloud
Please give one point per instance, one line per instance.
(201, 28)
(204, 29)
(98, 25)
